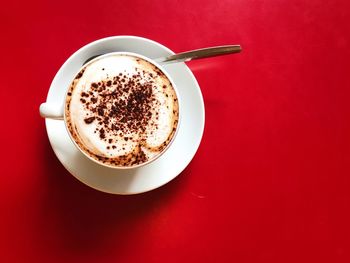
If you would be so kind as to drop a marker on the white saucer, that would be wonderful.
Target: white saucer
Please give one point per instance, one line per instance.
(155, 174)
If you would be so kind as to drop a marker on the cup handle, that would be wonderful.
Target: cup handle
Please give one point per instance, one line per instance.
(51, 111)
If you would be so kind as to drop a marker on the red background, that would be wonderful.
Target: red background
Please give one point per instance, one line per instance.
(270, 182)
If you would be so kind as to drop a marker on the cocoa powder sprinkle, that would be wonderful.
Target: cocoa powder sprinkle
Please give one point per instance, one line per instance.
(124, 104)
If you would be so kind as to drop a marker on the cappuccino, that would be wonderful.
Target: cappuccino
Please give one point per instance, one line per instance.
(121, 110)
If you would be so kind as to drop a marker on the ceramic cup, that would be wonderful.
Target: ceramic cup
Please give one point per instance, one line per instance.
(57, 111)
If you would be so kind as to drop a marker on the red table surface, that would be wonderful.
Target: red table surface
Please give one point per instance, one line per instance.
(270, 181)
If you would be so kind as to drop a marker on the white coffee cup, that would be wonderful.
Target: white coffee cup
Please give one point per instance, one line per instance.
(58, 112)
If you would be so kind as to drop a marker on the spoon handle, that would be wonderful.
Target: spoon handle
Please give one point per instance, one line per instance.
(200, 53)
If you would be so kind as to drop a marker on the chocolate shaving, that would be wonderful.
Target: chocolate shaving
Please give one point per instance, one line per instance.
(89, 120)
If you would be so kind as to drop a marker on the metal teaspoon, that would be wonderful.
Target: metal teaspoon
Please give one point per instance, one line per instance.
(193, 54)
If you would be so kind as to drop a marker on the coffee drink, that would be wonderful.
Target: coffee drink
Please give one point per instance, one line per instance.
(122, 110)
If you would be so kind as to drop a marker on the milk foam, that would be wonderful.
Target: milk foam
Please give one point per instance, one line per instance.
(123, 143)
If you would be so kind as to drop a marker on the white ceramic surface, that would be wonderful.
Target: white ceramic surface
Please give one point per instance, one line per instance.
(155, 174)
